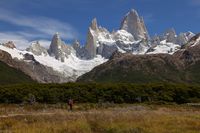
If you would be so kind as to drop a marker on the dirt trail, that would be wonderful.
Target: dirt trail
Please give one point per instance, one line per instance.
(28, 114)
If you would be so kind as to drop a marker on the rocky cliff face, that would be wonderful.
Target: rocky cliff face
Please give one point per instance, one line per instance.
(37, 49)
(76, 45)
(10, 44)
(94, 25)
(59, 49)
(135, 25)
(91, 43)
(170, 36)
(195, 40)
(182, 39)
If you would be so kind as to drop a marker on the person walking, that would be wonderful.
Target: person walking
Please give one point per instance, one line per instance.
(70, 103)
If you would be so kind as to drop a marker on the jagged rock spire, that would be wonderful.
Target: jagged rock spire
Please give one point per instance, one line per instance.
(58, 48)
(135, 25)
(55, 44)
(94, 25)
(91, 43)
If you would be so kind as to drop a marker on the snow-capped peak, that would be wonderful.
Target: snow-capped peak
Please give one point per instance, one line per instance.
(135, 25)
(37, 49)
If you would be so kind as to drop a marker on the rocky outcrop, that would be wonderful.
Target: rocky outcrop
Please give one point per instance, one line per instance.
(155, 41)
(9, 44)
(94, 25)
(195, 40)
(135, 25)
(37, 49)
(59, 49)
(91, 44)
(182, 39)
(6, 58)
(106, 50)
(170, 36)
(76, 45)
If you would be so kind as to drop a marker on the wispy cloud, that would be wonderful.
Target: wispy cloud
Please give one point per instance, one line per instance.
(194, 2)
(20, 41)
(35, 27)
(43, 25)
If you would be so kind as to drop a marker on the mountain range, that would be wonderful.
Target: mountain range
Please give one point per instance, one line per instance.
(181, 67)
(127, 55)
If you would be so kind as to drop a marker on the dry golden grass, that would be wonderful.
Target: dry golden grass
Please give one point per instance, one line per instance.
(125, 119)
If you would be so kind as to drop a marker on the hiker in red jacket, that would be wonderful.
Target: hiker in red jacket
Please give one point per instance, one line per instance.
(70, 103)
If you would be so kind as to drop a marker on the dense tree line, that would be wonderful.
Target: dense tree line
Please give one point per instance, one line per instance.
(94, 93)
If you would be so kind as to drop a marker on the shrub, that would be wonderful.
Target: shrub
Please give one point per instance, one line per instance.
(93, 93)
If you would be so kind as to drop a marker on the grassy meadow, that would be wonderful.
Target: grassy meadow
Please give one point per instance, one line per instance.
(94, 118)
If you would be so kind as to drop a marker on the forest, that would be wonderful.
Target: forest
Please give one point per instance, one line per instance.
(159, 93)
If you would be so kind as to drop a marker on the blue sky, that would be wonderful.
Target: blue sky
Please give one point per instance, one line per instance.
(27, 20)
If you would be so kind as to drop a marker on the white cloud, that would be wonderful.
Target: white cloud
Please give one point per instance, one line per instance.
(34, 27)
(43, 25)
(45, 43)
(31, 35)
(20, 41)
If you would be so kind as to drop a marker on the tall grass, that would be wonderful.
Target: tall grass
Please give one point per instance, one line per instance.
(127, 119)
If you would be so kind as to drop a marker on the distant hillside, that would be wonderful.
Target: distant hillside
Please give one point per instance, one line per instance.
(9, 75)
(136, 69)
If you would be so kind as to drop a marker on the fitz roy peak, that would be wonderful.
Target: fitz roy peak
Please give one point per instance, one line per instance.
(135, 25)
(65, 63)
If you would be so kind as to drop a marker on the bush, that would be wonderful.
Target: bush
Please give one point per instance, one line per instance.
(93, 93)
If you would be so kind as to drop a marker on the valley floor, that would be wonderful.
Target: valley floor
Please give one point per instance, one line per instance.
(104, 118)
